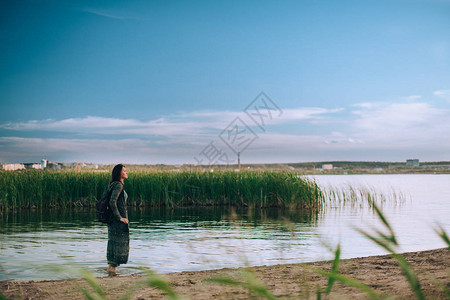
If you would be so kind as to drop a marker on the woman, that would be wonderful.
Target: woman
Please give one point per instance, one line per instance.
(118, 228)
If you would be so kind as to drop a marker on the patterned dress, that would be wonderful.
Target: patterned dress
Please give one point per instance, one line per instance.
(118, 232)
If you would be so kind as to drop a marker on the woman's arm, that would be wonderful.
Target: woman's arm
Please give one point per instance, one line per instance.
(117, 188)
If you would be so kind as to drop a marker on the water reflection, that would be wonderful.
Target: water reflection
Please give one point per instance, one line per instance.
(45, 220)
(65, 219)
(166, 240)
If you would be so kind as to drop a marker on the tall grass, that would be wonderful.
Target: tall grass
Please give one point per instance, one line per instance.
(389, 242)
(42, 189)
(360, 196)
(25, 189)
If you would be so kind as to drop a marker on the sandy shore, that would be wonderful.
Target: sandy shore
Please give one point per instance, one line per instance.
(287, 281)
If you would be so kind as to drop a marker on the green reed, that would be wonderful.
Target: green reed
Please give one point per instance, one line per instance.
(42, 189)
(360, 196)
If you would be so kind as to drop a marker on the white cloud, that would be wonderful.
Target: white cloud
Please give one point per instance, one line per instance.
(111, 14)
(445, 94)
(305, 114)
(302, 141)
(372, 128)
(92, 124)
(411, 98)
(287, 116)
(401, 124)
(93, 150)
(75, 145)
(364, 105)
(187, 124)
(396, 115)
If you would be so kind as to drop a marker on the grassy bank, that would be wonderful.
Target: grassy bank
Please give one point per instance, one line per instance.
(42, 189)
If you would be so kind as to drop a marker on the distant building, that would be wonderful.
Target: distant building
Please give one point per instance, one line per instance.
(412, 162)
(78, 166)
(33, 166)
(53, 166)
(327, 167)
(12, 167)
(68, 164)
(44, 163)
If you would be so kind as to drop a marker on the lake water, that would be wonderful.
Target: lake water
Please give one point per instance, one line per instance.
(206, 238)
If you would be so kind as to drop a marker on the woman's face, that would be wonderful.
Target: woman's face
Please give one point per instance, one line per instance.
(124, 174)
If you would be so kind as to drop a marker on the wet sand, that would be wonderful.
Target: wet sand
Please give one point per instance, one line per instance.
(295, 281)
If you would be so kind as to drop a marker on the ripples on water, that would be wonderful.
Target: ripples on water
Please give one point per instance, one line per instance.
(208, 238)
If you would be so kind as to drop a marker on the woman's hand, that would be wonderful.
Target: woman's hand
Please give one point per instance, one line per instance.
(124, 220)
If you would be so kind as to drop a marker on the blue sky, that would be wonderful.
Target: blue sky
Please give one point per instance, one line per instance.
(159, 81)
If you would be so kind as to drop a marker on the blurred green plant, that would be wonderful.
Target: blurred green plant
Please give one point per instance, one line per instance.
(350, 282)
(251, 283)
(389, 243)
(157, 281)
(71, 268)
(96, 291)
(441, 232)
(334, 269)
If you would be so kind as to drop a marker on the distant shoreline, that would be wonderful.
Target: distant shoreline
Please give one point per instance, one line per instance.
(305, 168)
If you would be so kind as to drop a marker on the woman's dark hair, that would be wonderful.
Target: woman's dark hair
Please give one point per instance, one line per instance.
(116, 172)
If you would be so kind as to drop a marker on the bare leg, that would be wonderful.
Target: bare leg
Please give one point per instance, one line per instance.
(112, 270)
